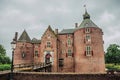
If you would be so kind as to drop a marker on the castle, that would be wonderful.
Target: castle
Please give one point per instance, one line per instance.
(72, 50)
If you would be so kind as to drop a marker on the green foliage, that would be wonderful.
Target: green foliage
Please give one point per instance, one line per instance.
(112, 67)
(3, 58)
(2, 50)
(5, 67)
(113, 54)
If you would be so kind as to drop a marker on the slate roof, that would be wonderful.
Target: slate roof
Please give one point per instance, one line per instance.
(24, 37)
(67, 31)
(36, 41)
(87, 22)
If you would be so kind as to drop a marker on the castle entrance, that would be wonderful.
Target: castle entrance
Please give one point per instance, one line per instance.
(47, 58)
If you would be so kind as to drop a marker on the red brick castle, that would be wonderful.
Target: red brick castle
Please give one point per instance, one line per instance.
(72, 50)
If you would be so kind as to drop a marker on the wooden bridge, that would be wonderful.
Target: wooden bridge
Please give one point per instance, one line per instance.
(38, 67)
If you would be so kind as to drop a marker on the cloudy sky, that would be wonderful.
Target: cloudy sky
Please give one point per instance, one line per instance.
(36, 15)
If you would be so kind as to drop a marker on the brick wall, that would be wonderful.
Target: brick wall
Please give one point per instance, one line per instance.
(95, 62)
(68, 60)
(4, 76)
(27, 49)
(60, 76)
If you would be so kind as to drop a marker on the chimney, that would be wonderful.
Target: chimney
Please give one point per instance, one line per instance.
(76, 25)
(16, 35)
(56, 31)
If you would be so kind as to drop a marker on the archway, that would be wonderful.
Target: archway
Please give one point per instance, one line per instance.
(47, 58)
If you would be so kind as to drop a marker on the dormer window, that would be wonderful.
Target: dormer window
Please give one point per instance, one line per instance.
(87, 30)
(86, 24)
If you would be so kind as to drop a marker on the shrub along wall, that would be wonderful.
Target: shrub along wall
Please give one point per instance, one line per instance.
(60, 76)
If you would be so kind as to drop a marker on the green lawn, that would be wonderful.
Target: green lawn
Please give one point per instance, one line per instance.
(5, 67)
(108, 66)
(113, 67)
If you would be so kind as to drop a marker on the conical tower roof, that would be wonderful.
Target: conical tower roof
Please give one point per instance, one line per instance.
(87, 22)
(24, 37)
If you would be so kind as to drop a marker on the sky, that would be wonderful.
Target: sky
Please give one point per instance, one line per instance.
(35, 15)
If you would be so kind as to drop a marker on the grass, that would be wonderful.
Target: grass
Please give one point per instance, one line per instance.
(5, 67)
(113, 67)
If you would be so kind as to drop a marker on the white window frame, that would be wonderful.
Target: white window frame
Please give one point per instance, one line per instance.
(87, 30)
(69, 42)
(88, 38)
(69, 52)
(88, 51)
(36, 54)
(48, 44)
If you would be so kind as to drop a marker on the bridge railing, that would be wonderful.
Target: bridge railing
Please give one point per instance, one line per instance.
(30, 66)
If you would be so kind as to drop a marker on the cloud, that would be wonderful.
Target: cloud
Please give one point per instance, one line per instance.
(107, 17)
(36, 15)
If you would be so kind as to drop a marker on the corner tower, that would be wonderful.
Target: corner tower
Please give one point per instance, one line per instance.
(88, 46)
(24, 50)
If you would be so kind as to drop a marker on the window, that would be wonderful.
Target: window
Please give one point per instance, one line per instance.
(88, 38)
(36, 46)
(87, 30)
(69, 35)
(61, 62)
(69, 42)
(23, 54)
(69, 52)
(49, 36)
(88, 51)
(48, 44)
(36, 53)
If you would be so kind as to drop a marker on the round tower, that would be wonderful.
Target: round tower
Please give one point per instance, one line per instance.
(88, 43)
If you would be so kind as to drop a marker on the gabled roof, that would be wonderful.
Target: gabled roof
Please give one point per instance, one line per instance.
(67, 31)
(24, 37)
(50, 29)
(35, 41)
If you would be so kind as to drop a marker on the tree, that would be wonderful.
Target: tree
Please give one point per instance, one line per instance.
(2, 50)
(113, 54)
(3, 58)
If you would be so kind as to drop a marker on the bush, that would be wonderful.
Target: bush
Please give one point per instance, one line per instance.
(5, 67)
(112, 67)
